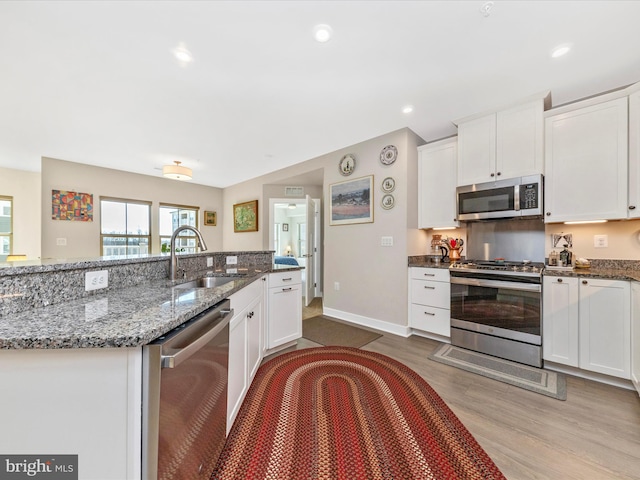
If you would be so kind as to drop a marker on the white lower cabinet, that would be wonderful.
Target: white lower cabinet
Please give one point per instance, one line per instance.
(284, 305)
(587, 324)
(430, 300)
(635, 335)
(245, 344)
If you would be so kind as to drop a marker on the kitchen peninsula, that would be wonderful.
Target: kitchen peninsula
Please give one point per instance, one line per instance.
(71, 360)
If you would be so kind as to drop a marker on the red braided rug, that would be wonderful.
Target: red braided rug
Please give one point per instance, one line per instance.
(345, 413)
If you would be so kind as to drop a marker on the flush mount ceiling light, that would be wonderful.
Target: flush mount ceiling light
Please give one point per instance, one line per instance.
(322, 33)
(182, 54)
(560, 50)
(177, 172)
(407, 109)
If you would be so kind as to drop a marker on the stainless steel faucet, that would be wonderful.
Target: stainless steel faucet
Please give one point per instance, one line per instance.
(174, 258)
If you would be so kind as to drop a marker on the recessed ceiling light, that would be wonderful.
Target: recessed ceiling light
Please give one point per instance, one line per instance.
(322, 33)
(560, 50)
(407, 109)
(182, 54)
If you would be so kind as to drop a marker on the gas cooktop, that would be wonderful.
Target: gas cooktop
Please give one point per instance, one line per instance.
(499, 267)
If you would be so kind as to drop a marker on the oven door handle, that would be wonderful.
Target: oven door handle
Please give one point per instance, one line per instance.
(172, 361)
(477, 282)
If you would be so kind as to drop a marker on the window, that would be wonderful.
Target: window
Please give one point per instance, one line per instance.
(6, 227)
(125, 227)
(172, 217)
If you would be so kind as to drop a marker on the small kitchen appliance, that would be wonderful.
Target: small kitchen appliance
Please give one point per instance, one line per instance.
(510, 198)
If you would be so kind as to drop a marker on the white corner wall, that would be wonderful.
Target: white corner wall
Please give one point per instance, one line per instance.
(83, 238)
(24, 187)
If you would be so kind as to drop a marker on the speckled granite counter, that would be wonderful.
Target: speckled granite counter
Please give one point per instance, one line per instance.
(129, 316)
(607, 269)
(427, 261)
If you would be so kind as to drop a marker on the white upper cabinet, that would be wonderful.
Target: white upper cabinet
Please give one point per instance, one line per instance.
(586, 161)
(437, 184)
(505, 144)
(634, 154)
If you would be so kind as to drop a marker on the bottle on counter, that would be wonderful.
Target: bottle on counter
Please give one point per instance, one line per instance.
(565, 256)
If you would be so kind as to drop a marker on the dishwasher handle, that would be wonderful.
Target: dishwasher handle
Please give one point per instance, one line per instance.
(172, 361)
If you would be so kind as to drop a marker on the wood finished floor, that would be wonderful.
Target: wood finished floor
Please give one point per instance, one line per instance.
(594, 434)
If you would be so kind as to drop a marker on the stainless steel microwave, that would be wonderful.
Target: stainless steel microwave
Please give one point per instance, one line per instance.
(513, 197)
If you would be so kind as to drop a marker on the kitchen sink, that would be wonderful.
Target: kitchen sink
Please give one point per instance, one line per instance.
(206, 282)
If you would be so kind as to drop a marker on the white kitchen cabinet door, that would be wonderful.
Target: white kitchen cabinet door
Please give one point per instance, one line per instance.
(520, 140)
(634, 155)
(238, 385)
(477, 150)
(284, 318)
(560, 334)
(635, 335)
(586, 163)
(605, 327)
(255, 337)
(437, 164)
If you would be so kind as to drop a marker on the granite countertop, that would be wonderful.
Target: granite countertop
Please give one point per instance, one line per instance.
(597, 272)
(428, 261)
(126, 317)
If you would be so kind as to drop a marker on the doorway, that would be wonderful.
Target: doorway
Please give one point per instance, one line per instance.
(295, 233)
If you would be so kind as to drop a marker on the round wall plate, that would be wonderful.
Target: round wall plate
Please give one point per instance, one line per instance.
(388, 185)
(388, 155)
(347, 164)
(388, 202)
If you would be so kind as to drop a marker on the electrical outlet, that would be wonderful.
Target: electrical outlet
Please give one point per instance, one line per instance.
(209, 261)
(96, 280)
(600, 241)
(232, 260)
(336, 286)
(61, 242)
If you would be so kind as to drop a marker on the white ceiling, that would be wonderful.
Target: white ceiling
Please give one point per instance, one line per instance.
(96, 82)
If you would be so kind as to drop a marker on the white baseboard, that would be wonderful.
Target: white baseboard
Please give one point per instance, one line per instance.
(432, 336)
(401, 330)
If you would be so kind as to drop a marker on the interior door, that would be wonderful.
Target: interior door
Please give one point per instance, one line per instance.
(309, 241)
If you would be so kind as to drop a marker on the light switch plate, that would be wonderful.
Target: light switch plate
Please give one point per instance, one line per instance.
(209, 261)
(600, 241)
(386, 241)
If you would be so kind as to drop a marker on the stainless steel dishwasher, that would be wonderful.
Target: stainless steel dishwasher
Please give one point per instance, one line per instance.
(184, 411)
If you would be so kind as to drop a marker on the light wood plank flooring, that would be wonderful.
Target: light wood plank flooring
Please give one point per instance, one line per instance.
(594, 434)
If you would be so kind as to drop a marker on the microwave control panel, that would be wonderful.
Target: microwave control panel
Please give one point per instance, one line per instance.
(529, 196)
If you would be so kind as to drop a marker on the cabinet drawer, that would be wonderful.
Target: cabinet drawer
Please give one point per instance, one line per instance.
(436, 294)
(431, 319)
(284, 278)
(434, 274)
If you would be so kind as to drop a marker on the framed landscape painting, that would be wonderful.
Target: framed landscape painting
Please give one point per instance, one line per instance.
(245, 216)
(351, 201)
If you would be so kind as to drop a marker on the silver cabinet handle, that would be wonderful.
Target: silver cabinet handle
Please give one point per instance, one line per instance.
(429, 313)
(430, 288)
(287, 279)
(429, 274)
(287, 289)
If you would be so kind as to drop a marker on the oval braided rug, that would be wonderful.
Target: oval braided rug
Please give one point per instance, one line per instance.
(345, 413)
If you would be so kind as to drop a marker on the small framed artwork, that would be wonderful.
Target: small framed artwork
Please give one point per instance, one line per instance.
(210, 218)
(245, 217)
(285, 227)
(351, 201)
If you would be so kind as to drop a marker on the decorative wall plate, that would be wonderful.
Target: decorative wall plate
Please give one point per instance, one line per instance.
(388, 155)
(388, 185)
(347, 164)
(388, 202)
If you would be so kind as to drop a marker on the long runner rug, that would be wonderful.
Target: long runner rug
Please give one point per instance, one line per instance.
(345, 413)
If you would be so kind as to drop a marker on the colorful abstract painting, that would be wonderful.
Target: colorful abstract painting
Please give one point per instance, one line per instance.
(74, 206)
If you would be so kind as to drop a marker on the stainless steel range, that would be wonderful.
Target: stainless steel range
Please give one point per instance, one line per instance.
(496, 308)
